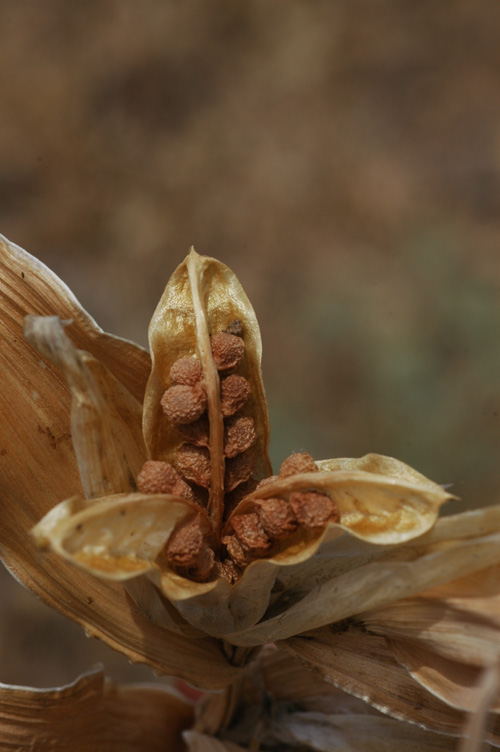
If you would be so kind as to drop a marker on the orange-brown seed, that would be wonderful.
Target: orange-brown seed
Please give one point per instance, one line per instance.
(276, 517)
(234, 392)
(227, 350)
(188, 551)
(250, 532)
(193, 463)
(238, 470)
(228, 570)
(313, 509)
(185, 544)
(162, 478)
(239, 435)
(184, 404)
(299, 462)
(236, 551)
(187, 371)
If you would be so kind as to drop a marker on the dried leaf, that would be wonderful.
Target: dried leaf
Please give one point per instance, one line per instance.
(353, 733)
(105, 418)
(364, 666)
(95, 714)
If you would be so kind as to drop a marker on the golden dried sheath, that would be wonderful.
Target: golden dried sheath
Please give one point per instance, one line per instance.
(203, 300)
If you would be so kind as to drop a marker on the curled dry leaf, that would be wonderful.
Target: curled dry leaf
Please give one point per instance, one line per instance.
(224, 550)
(92, 713)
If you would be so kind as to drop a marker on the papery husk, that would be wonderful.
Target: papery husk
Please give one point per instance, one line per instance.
(173, 334)
(374, 507)
(351, 733)
(400, 572)
(221, 610)
(117, 537)
(364, 666)
(39, 468)
(446, 636)
(105, 417)
(203, 297)
(92, 714)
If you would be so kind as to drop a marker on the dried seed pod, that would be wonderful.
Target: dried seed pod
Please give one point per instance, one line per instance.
(313, 509)
(250, 532)
(227, 350)
(196, 433)
(276, 517)
(238, 470)
(186, 370)
(193, 463)
(184, 404)
(239, 435)
(299, 462)
(162, 478)
(197, 329)
(234, 392)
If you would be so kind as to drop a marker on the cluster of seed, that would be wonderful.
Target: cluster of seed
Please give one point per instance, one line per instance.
(256, 533)
(185, 404)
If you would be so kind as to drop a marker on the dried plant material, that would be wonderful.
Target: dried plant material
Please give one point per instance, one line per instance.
(187, 548)
(238, 470)
(118, 537)
(276, 517)
(299, 462)
(196, 433)
(93, 713)
(193, 463)
(162, 478)
(341, 561)
(227, 350)
(234, 392)
(313, 509)
(109, 448)
(250, 532)
(239, 435)
(187, 370)
(184, 404)
(475, 730)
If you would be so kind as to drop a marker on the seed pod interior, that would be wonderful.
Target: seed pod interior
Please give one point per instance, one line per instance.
(204, 300)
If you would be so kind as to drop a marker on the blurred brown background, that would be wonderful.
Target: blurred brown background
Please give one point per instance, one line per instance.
(342, 157)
